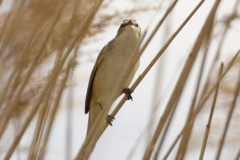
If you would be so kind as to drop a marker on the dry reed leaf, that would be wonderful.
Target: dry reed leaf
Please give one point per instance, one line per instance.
(21, 27)
(226, 91)
(26, 32)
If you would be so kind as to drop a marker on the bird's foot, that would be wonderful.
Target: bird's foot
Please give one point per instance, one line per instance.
(128, 92)
(110, 119)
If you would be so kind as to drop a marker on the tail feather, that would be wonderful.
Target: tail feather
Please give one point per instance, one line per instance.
(94, 111)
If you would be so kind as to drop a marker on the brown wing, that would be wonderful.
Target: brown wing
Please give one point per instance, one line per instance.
(90, 83)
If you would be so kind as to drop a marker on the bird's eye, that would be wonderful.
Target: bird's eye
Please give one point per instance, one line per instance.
(123, 25)
(136, 25)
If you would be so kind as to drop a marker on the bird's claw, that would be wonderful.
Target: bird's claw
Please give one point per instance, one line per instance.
(128, 92)
(110, 119)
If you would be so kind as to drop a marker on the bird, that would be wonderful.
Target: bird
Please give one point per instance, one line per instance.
(110, 66)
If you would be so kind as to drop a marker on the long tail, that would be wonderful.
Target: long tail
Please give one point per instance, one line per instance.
(93, 113)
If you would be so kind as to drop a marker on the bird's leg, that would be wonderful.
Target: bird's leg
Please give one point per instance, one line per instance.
(128, 92)
(110, 119)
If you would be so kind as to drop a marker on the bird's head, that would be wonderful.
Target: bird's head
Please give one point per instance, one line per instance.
(129, 27)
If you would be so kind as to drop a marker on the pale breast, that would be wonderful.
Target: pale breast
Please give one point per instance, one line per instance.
(111, 70)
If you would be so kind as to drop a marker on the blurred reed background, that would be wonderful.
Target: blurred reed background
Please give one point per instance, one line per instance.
(41, 43)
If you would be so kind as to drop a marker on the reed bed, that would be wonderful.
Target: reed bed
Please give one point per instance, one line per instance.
(39, 51)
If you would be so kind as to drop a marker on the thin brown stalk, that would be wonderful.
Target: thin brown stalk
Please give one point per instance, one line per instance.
(210, 116)
(177, 138)
(54, 110)
(66, 31)
(157, 26)
(228, 119)
(78, 37)
(166, 129)
(8, 17)
(40, 126)
(203, 101)
(10, 30)
(69, 122)
(69, 115)
(151, 121)
(24, 127)
(42, 117)
(173, 144)
(186, 134)
(174, 97)
(206, 31)
(156, 94)
(226, 28)
(219, 48)
(238, 155)
(17, 68)
(42, 149)
(32, 67)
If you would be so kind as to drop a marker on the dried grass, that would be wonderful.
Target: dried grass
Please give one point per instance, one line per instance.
(40, 42)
